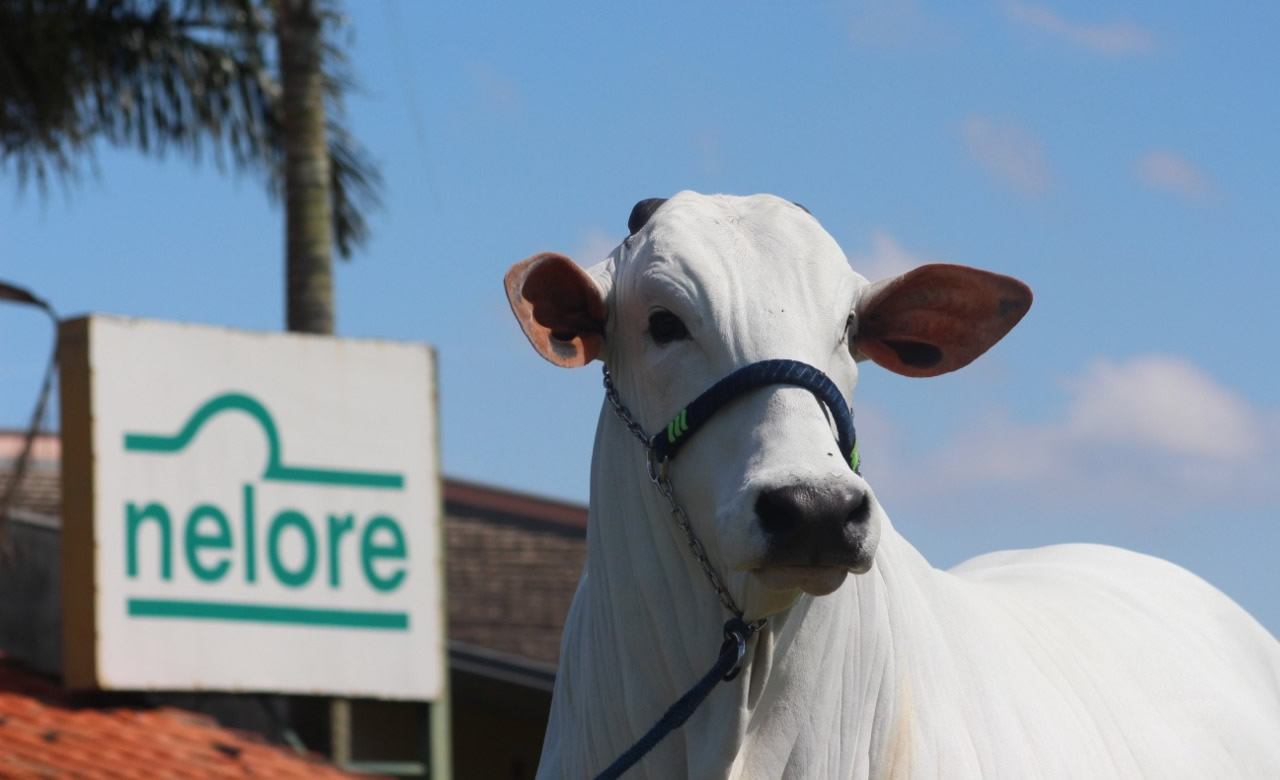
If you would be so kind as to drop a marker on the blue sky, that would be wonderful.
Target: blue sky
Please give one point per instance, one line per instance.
(1121, 158)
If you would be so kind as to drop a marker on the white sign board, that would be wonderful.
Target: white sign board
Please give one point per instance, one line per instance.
(250, 512)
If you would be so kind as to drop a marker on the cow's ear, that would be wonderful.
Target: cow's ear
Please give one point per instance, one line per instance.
(936, 318)
(560, 307)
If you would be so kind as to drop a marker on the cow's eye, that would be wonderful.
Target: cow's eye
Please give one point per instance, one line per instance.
(665, 327)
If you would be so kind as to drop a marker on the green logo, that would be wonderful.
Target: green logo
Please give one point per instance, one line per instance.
(209, 545)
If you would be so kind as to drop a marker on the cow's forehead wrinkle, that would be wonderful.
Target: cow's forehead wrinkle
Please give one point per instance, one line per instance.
(757, 277)
(665, 286)
(738, 301)
(766, 257)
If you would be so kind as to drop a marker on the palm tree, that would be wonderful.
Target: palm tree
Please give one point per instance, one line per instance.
(192, 75)
(308, 249)
(197, 75)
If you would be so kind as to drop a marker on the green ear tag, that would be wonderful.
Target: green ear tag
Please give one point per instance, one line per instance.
(855, 459)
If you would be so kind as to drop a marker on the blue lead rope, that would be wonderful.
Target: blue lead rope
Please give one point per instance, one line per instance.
(736, 634)
(668, 441)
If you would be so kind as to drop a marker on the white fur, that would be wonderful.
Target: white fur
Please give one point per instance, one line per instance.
(1074, 661)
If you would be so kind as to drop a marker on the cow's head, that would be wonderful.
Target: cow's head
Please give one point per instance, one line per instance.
(707, 284)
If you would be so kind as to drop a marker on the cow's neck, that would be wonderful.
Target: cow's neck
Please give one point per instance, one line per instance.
(825, 691)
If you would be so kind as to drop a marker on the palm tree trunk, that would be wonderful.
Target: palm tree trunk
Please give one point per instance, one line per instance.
(308, 202)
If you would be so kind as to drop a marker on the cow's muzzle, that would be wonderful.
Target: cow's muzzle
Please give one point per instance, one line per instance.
(838, 560)
(809, 530)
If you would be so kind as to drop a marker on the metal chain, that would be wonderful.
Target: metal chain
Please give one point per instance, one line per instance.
(658, 475)
(624, 414)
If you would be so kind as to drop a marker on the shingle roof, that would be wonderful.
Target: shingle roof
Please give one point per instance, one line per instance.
(48, 732)
(513, 565)
(40, 491)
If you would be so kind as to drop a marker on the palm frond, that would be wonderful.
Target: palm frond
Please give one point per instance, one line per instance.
(187, 75)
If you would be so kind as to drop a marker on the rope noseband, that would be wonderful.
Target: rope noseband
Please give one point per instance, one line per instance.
(666, 443)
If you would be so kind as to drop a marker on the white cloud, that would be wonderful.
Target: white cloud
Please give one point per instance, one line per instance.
(1161, 403)
(1154, 432)
(1112, 38)
(708, 142)
(893, 24)
(1009, 153)
(498, 92)
(1165, 170)
(595, 245)
(885, 258)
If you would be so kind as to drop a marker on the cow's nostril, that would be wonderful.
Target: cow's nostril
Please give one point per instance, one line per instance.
(786, 510)
(860, 513)
(777, 511)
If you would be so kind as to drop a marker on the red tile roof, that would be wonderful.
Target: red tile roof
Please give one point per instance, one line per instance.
(48, 732)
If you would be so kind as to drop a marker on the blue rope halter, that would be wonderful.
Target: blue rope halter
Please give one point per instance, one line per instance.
(666, 443)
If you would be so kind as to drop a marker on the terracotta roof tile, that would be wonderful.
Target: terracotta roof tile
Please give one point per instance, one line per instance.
(47, 732)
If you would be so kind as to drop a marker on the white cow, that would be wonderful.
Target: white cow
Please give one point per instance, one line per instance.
(1073, 661)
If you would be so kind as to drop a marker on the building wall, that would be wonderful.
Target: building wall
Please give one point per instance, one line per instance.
(497, 729)
(30, 596)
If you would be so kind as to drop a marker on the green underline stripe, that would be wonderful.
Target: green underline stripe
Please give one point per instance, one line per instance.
(261, 613)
